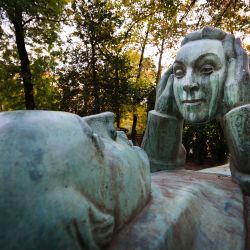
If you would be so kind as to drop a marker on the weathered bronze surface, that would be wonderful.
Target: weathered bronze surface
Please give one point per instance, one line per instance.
(63, 185)
(188, 210)
(209, 80)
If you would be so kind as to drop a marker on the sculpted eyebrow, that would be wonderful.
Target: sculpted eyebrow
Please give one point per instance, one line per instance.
(209, 58)
(178, 63)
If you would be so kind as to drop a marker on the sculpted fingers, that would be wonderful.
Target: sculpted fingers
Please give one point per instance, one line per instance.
(237, 86)
(163, 82)
(242, 73)
(242, 58)
(164, 103)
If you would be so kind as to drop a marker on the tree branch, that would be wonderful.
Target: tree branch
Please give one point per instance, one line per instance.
(51, 20)
(28, 21)
(222, 13)
(187, 11)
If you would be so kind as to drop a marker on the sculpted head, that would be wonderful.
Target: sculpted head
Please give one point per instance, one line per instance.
(200, 71)
(74, 171)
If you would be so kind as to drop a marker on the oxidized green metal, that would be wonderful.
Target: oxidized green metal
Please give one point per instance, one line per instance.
(188, 210)
(209, 80)
(63, 186)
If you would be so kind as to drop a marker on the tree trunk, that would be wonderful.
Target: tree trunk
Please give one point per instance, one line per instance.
(25, 63)
(116, 98)
(151, 100)
(133, 131)
(158, 75)
(118, 119)
(96, 108)
(138, 76)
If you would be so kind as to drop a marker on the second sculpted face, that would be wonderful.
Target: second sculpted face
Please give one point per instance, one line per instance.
(199, 75)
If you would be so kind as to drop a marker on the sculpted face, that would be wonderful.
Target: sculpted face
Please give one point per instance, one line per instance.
(199, 75)
(75, 171)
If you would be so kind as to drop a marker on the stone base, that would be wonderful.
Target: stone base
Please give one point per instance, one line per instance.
(241, 178)
(188, 210)
(223, 170)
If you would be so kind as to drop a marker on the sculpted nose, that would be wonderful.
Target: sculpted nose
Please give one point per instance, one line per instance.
(189, 83)
(193, 86)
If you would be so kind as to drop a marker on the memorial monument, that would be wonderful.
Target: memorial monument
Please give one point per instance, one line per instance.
(69, 182)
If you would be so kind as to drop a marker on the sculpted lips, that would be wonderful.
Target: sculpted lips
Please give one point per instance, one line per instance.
(193, 101)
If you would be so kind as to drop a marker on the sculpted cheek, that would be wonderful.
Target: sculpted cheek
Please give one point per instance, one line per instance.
(206, 87)
(176, 90)
(215, 95)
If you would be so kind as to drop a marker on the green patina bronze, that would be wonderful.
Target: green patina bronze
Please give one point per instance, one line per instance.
(68, 182)
(208, 80)
(64, 184)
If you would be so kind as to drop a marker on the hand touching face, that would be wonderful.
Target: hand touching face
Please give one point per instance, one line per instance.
(199, 76)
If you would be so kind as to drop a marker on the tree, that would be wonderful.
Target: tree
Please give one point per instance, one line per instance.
(140, 87)
(97, 69)
(32, 21)
(11, 91)
(95, 25)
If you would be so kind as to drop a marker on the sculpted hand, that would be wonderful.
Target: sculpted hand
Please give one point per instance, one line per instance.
(237, 118)
(165, 100)
(237, 85)
(162, 138)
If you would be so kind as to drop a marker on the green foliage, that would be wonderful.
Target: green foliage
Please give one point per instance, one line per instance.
(46, 93)
(78, 90)
(205, 143)
(100, 72)
(32, 23)
(11, 89)
(41, 19)
(140, 88)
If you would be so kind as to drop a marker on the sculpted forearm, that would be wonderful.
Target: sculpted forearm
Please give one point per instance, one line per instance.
(162, 141)
(236, 125)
